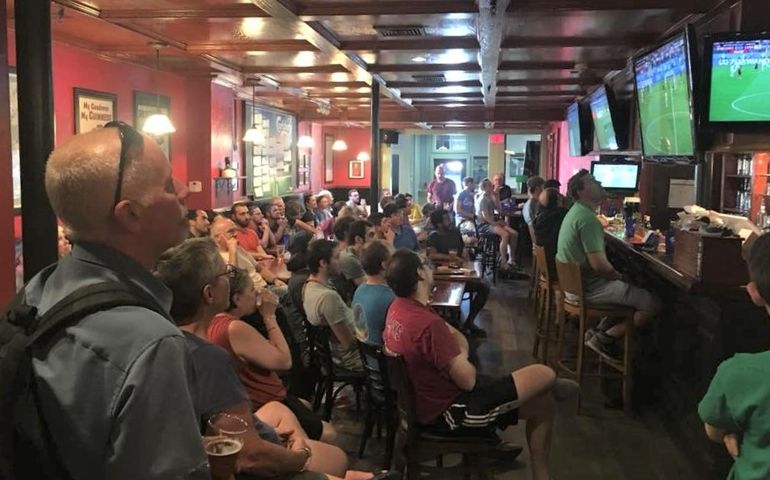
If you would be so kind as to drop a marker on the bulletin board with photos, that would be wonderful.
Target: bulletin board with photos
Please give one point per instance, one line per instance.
(272, 164)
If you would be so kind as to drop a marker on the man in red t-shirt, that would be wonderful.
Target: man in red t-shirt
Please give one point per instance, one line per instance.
(441, 190)
(247, 237)
(449, 394)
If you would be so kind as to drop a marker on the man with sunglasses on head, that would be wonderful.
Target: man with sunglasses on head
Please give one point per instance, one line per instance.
(113, 386)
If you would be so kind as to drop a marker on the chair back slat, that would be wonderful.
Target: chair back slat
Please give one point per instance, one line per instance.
(399, 381)
(321, 353)
(570, 279)
(541, 263)
(376, 368)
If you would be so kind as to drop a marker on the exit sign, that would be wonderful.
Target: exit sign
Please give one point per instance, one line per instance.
(496, 138)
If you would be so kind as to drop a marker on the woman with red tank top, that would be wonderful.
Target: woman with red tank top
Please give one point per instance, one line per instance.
(258, 358)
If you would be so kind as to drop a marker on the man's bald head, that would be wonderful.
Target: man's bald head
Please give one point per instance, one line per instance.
(221, 225)
(81, 181)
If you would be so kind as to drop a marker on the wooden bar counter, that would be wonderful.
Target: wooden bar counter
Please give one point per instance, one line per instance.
(701, 325)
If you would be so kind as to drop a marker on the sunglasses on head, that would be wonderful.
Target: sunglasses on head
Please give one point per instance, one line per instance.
(129, 138)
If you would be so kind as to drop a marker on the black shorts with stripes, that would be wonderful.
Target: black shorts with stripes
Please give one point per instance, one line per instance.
(494, 402)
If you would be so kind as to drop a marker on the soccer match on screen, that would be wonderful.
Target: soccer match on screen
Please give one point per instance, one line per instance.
(664, 100)
(740, 81)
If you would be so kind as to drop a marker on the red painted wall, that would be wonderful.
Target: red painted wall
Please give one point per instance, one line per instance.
(73, 67)
(358, 140)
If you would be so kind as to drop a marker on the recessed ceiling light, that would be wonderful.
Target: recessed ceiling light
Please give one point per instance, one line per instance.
(419, 59)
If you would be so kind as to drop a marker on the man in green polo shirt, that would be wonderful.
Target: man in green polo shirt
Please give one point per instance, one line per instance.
(581, 240)
(736, 408)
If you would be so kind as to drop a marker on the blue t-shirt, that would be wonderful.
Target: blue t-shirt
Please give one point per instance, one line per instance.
(467, 202)
(405, 238)
(370, 304)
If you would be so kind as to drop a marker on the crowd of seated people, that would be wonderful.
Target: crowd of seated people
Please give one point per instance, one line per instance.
(235, 344)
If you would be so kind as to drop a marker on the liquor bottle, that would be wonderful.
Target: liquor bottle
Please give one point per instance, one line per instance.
(762, 219)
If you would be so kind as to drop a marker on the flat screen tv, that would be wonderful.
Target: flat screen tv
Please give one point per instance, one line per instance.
(663, 80)
(737, 81)
(617, 176)
(578, 130)
(605, 118)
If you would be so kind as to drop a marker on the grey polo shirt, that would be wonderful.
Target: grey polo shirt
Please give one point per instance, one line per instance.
(114, 389)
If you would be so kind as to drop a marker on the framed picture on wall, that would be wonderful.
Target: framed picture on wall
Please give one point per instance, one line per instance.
(146, 104)
(356, 169)
(15, 163)
(93, 109)
(328, 159)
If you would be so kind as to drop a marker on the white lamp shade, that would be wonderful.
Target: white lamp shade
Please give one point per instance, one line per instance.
(305, 141)
(253, 135)
(339, 146)
(158, 124)
(363, 157)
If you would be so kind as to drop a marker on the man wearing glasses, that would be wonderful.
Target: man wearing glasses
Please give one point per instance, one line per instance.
(113, 389)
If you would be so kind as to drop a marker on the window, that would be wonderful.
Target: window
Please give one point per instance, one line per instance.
(450, 143)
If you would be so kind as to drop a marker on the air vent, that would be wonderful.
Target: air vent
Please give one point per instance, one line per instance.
(440, 78)
(388, 31)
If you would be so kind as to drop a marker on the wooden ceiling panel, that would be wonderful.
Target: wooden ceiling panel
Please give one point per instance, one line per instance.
(277, 59)
(219, 30)
(362, 27)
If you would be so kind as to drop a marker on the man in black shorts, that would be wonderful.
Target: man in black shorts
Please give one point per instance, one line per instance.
(448, 392)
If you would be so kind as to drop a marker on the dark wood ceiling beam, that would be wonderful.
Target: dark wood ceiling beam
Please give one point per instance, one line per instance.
(463, 83)
(323, 84)
(271, 69)
(557, 42)
(470, 114)
(543, 93)
(618, 64)
(286, 45)
(421, 44)
(692, 6)
(232, 11)
(415, 7)
(536, 82)
(424, 67)
(444, 95)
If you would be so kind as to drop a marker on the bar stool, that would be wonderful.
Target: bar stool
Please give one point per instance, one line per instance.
(571, 282)
(535, 273)
(547, 293)
(489, 247)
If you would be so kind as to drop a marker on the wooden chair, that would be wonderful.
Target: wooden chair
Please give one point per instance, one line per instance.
(535, 272)
(570, 282)
(328, 373)
(380, 400)
(547, 294)
(416, 445)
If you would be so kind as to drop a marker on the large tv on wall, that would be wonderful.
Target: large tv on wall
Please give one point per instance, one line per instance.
(663, 78)
(606, 119)
(737, 81)
(578, 130)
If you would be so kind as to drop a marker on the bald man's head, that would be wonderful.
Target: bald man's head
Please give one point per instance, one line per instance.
(221, 230)
(81, 181)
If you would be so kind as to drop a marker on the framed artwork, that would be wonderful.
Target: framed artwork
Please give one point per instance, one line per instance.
(15, 162)
(356, 169)
(328, 159)
(146, 104)
(93, 109)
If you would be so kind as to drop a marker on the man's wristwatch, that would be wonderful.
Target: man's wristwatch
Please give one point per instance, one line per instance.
(309, 454)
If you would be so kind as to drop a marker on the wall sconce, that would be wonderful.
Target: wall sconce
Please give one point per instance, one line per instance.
(339, 146)
(363, 157)
(305, 142)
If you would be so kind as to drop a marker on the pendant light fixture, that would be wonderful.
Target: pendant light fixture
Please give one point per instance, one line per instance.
(363, 157)
(339, 146)
(253, 134)
(305, 142)
(158, 123)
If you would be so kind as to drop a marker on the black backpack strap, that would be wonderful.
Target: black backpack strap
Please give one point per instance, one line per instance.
(88, 300)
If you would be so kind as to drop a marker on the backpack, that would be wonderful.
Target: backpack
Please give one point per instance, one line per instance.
(27, 450)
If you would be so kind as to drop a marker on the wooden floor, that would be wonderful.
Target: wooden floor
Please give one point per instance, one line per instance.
(599, 444)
